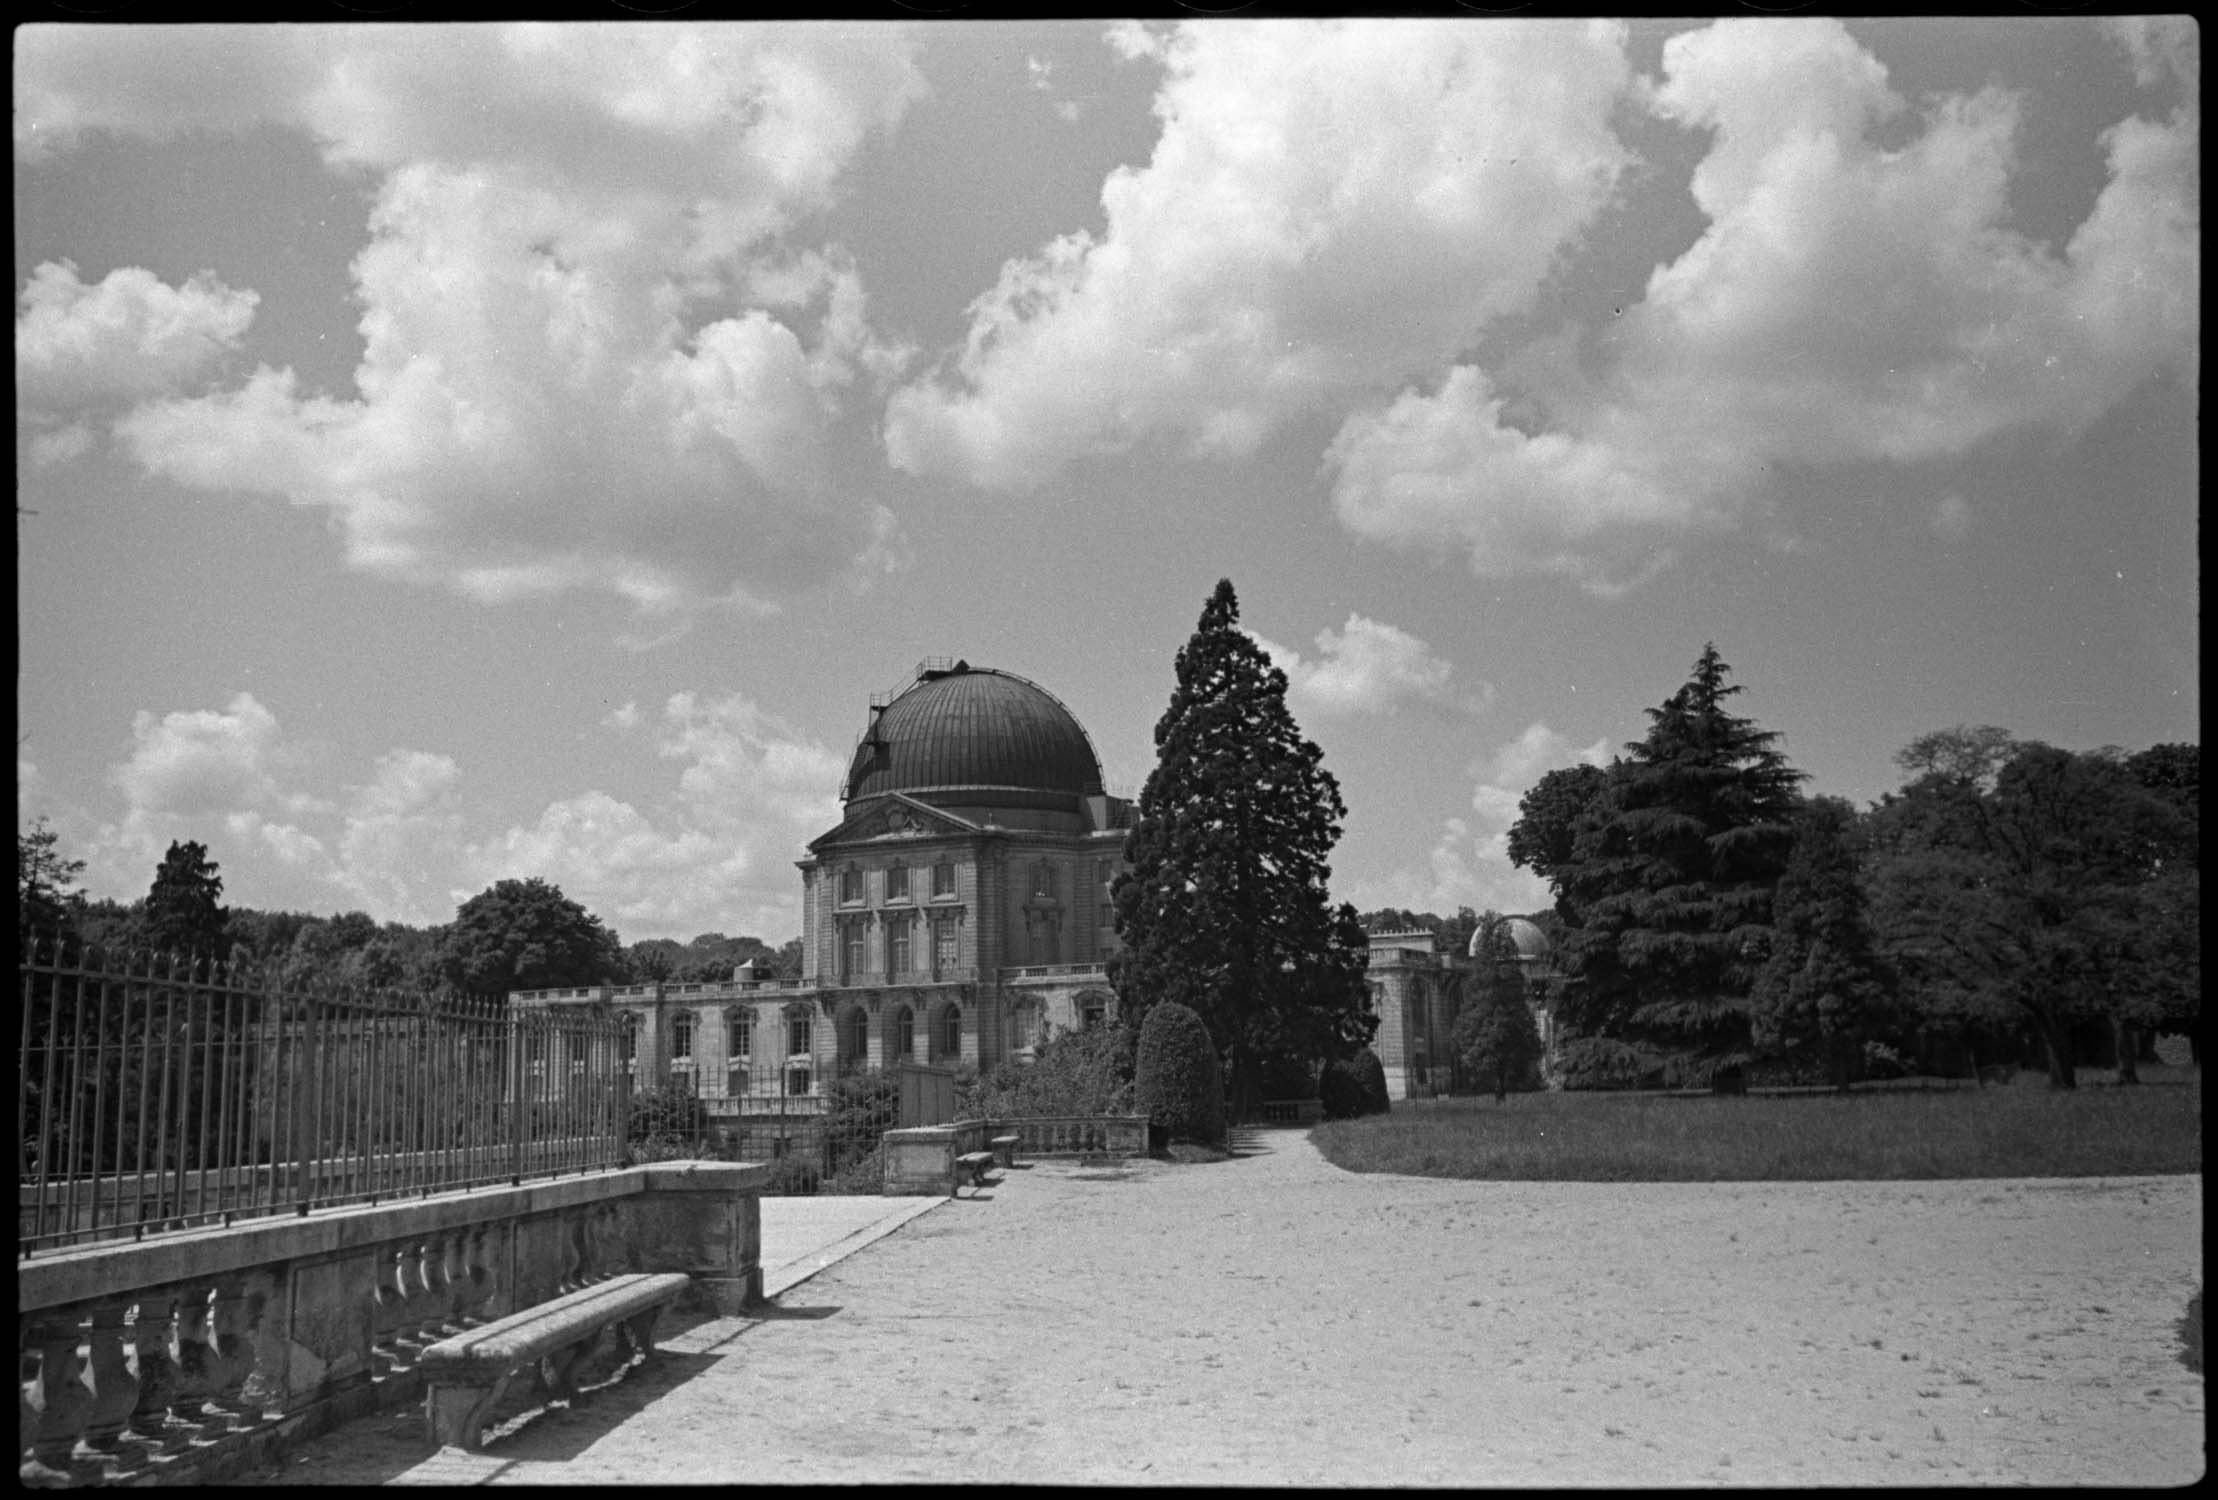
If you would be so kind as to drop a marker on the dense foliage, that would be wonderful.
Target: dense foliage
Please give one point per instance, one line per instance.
(1224, 908)
(666, 1124)
(1825, 990)
(1666, 886)
(2042, 883)
(1176, 1082)
(1496, 1042)
(184, 911)
(526, 935)
(1081, 1072)
(47, 902)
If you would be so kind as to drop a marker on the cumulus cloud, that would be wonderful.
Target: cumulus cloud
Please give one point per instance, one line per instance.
(1368, 667)
(710, 849)
(128, 335)
(1849, 301)
(1469, 864)
(718, 856)
(597, 354)
(1330, 206)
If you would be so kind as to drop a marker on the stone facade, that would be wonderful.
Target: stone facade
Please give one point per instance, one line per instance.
(1415, 992)
(957, 913)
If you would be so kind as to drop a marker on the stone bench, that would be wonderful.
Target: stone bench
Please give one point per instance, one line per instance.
(466, 1375)
(974, 1164)
(1005, 1147)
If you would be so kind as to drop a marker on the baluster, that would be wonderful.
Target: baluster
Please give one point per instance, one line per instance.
(232, 1344)
(384, 1311)
(153, 1329)
(115, 1392)
(59, 1401)
(477, 1284)
(416, 1303)
(450, 1286)
(572, 1240)
(196, 1371)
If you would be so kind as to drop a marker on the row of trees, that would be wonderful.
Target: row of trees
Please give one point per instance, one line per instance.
(1713, 914)
(516, 934)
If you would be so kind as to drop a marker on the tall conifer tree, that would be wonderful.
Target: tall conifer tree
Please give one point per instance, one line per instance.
(184, 907)
(1669, 882)
(1224, 907)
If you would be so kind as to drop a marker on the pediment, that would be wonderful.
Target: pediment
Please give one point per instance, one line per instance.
(893, 817)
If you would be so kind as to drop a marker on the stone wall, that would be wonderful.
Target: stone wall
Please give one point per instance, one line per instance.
(191, 1355)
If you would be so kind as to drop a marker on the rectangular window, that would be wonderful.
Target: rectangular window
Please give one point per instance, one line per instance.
(897, 883)
(897, 948)
(797, 1036)
(943, 945)
(851, 944)
(740, 1042)
(943, 879)
(797, 1081)
(850, 887)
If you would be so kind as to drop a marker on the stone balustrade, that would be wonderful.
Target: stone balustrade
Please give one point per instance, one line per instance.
(1292, 1111)
(1078, 1135)
(195, 1354)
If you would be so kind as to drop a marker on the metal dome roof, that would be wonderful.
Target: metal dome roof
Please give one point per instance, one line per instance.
(1532, 943)
(974, 730)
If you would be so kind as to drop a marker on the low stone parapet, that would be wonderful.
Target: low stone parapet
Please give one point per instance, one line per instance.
(921, 1158)
(195, 1354)
(1078, 1135)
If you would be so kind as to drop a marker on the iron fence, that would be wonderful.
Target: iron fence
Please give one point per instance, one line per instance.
(161, 1093)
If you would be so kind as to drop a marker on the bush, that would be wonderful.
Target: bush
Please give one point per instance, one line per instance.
(1073, 1073)
(858, 1109)
(865, 1176)
(663, 1119)
(1175, 1076)
(1599, 1062)
(1340, 1090)
(1352, 1087)
(1370, 1082)
(792, 1177)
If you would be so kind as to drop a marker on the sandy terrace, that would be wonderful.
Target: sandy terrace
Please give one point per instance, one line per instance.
(1274, 1320)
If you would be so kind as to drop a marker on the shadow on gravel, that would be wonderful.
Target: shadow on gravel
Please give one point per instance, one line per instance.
(564, 1432)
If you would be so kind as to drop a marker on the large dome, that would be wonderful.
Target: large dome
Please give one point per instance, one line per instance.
(966, 735)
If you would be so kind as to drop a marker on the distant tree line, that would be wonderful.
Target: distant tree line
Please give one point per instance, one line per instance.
(516, 934)
(2011, 900)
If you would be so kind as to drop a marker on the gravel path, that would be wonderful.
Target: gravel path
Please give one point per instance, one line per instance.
(1274, 1320)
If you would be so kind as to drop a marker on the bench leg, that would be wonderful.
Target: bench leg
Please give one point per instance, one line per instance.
(457, 1414)
(640, 1332)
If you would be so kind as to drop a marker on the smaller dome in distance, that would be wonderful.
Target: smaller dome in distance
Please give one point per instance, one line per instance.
(1532, 943)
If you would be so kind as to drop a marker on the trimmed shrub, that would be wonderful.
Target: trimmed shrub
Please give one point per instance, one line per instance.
(1596, 1062)
(1370, 1080)
(1175, 1076)
(1340, 1090)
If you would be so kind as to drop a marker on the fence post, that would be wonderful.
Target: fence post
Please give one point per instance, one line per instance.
(516, 1074)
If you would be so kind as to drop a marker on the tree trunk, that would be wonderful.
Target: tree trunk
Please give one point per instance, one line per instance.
(2128, 1042)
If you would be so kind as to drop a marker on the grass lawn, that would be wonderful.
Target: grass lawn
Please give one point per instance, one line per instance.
(2023, 1130)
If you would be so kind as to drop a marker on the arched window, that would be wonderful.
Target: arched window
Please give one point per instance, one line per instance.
(947, 1034)
(681, 1036)
(901, 1027)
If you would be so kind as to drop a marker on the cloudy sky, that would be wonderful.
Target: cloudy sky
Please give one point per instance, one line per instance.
(453, 453)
